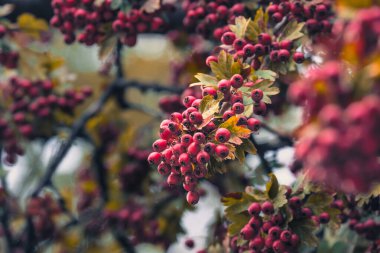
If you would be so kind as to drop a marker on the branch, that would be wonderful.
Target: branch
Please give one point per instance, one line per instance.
(124, 242)
(261, 154)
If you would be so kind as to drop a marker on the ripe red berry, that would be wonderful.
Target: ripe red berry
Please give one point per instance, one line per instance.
(199, 138)
(239, 44)
(274, 232)
(254, 209)
(259, 49)
(286, 44)
(247, 232)
(189, 243)
(283, 55)
(196, 118)
(203, 157)
(248, 50)
(224, 86)
(173, 179)
(236, 81)
(184, 159)
(154, 158)
(286, 236)
(193, 149)
(187, 101)
(228, 114)
(228, 38)
(211, 59)
(267, 208)
(222, 135)
(192, 197)
(277, 17)
(260, 108)
(209, 147)
(209, 91)
(253, 124)
(274, 56)
(278, 246)
(186, 140)
(295, 202)
(222, 151)
(265, 39)
(238, 108)
(159, 145)
(295, 240)
(163, 168)
(298, 57)
(257, 95)
(257, 244)
(324, 218)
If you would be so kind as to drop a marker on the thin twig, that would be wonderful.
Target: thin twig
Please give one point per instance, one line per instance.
(261, 154)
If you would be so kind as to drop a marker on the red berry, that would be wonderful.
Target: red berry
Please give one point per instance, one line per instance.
(253, 124)
(228, 114)
(224, 86)
(324, 218)
(277, 17)
(211, 59)
(248, 50)
(259, 50)
(265, 39)
(203, 157)
(193, 149)
(257, 95)
(295, 202)
(184, 159)
(186, 140)
(286, 44)
(247, 232)
(209, 91)
(187, 101)
(159, 145)
(173, 179)
(199, 138)
(278, 246)
(239, 44)
(209, 147)
(238, 108)
(189, 243)
(154, 158)
(163, 168)
(222, 151)
(196, 118)
(222, 135)
(286, 236)
(267, 208)
(236, 81)
(260, 108)
(254, 209)
(228, 38)
(283, 55)
(257, 244)
(274, 232)
(298, 57)
(192, 197)
(274, 56)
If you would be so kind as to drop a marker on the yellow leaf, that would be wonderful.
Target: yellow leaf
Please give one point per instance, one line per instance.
(239, 131)
(31, 25)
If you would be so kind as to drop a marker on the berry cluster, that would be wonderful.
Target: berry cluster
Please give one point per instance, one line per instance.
(8, 58)
(266, 47)
(42, 211)
(268, 231)
(93, 21)
(316, 16)
(32, 105)
(211, 17)
(135, 171)
(189, 141)
(170, 104)
(353, 162)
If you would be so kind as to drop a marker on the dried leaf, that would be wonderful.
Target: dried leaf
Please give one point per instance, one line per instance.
(209, 105)
(239, 131)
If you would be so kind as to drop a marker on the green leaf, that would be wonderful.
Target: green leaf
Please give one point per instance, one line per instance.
(205, 80)
(266, 74)
(260, 20)
(238, 221)
(292, 31)
(240, 26)
(319, 201)
(209, 106)
(272, 187)
(240, 154)
(305, 229)
(256, 193)
(266, 86)
(280, 200)
(248, 146)
(222, 68)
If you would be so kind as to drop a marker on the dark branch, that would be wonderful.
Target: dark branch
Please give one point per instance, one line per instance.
(261, 154)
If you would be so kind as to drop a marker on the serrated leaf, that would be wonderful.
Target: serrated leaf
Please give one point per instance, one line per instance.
(272, 187)
(256, 193)
(239, 131)
(305, 229)
(238, 221)
(236, 68)
(319, 201)
(206, 80)
(209, 105)
(280, 200)
(292, 31)
(236, 202)
(266, 74)
(248, 147)
(240, 26)
(240, 154)
(222, 68)
(271, 91)
(252, 31)
(260, 20)
(151, 6)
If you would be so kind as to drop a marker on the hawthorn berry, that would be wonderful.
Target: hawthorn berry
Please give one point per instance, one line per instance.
(222, 151)
(228, 38)
(267, 208)
(298, 57)
(238, 108)
(253, 124)
(324, 218)
(192, 197)
(236, 81)
(254, 209)
(222, 135)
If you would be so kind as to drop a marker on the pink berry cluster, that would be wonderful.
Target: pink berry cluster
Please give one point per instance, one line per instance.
(42, 210)
(188, 141)
(91, 21)
(264, 48)
(211, 17)
(32, 106)
(316, 16)
(8, 58)
(268, 231)
(352, 162)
